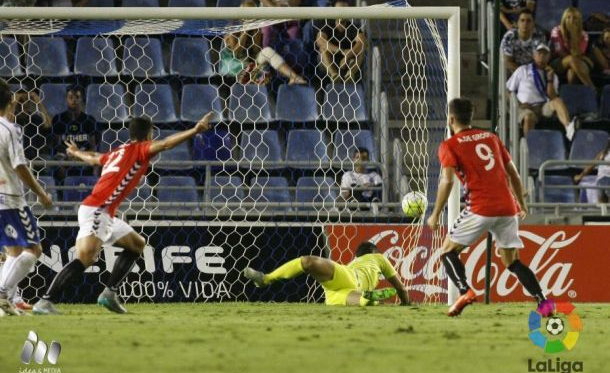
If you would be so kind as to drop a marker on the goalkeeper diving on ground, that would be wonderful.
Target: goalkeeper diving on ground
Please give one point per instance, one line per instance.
(353, 284)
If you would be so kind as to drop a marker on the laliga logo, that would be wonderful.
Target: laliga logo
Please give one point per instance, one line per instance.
(555, 314)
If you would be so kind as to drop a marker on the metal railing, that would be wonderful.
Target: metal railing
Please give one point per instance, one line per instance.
(546, 164)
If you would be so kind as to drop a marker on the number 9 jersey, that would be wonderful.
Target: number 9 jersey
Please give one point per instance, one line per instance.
(479, 159)
(122, 170)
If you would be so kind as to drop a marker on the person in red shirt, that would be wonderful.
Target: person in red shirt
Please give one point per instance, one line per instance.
(494, 201)
(122, 169)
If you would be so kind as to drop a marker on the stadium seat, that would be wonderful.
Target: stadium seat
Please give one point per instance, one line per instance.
(95, 56)
(9, 57)
(227, 189)
(261, 146)
(85, 184)
(113, 138)
(100, 3)
(306, 145)
(228, 3)
(177, 189)
(155, 101)
(316, 189)
(270, 189)
(346, 143)
(199, 99)
(179, 153)
(556, 195)
(142, 193)
(53, 97)
(106, 103)
(249, 104)
(605, 102)
(140, 3)
(588, 7)
(549, 12)
(191, 57)
(215, 145)
(344, 102)
(587, 143)
(47, 56)
(296, 103)
(187, 3)
(143, 58)
(579, 99)
(544, 145)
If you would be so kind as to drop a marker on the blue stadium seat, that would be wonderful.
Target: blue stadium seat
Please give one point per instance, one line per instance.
(318, 190)
(143, 58)
(155, 101)
(344, 102)
(197, 100)
(140, 3)
(47, 57)
(215, 145)
(261, 146)
(142, 193)
(106, 103)
(228, 3)
(549, 12)
(579, 99)
(113, 138)
(270, 189)
(346, 143)
(587, 7)
(85, 184)
(187, 3)
(177, 189)
(544, 145)
(557, 195)
(306, 145)
(95, 56)
(191, 57)
(249, 104)
(9, 63)
(227, 189)
(17, 87)
(605, 102)
(296, 103)
(587, 143)
(53, 97)
(179, 153)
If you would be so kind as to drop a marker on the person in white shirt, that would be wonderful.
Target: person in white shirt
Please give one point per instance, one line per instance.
(18, 228)
(353, 182)
(603, 175)
(536, 87)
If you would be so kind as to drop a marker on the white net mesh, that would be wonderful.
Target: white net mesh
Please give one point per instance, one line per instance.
(283, 173)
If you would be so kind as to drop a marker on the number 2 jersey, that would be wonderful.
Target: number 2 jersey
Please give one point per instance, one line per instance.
(479, 159)
(122, 170)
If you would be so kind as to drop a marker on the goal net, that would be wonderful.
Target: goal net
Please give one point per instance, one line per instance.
(324, 119)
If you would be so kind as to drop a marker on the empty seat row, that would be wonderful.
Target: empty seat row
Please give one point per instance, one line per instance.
(582, 100)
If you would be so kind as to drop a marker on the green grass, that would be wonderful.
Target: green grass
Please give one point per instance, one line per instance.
(244, 338)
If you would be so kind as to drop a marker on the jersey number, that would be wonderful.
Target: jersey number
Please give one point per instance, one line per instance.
(485, 153)
(114, 159)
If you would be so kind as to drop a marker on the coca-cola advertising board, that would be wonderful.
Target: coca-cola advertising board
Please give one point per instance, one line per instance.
(571, 262)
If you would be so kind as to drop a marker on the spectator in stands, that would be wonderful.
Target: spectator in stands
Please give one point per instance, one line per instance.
(603, 174)
(291, 28)
(510, 11)
(244, 58)
(569, 43)
(352, 182)
(601, 52)
(518, 44)
(536, 87)
(341, 44)
(31, 114)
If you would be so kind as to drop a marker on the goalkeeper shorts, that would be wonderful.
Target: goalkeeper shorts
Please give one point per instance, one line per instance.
(344, 282)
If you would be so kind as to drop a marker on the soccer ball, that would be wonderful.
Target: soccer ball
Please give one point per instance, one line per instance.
(414, 204)
(554, 325)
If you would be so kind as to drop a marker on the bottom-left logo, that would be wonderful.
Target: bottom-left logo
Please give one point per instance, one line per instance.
(38, 350)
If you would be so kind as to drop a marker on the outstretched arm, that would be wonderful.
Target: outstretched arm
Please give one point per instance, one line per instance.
(589, 168)
(400, 290)
(444, 190)
(180, 137)
(91, 158)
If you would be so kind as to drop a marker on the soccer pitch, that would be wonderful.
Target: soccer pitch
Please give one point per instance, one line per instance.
(244, 337)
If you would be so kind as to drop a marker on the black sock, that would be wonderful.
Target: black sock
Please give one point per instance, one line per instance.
(122, 267)
(527, 279)
(455, 270)
(69, 274)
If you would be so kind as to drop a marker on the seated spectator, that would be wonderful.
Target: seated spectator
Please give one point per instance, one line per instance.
(511, 9)
(244, 58)
(601, 52)
(31, 114)
(341, 44)
(360, 178)
(536, 87)
(603, 174)
(569, 44)
(518, 44)
(290, 29)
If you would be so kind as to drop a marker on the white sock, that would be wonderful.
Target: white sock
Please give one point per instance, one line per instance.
(17, 271)
(6, 267)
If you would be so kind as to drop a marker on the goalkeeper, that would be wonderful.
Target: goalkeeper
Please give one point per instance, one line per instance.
(344, 285)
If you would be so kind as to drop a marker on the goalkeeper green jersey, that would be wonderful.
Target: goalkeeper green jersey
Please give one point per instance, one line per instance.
(369, 267)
